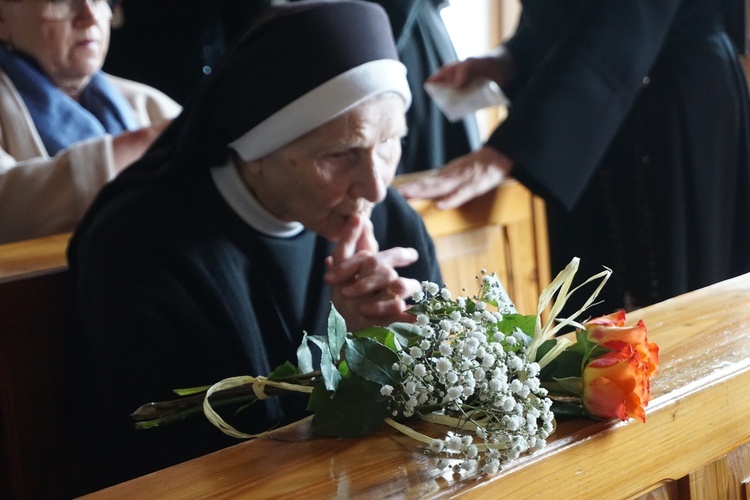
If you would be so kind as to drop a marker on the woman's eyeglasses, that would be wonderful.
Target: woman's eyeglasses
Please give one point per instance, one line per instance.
(65, 10)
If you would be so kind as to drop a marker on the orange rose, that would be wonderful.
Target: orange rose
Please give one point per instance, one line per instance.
(617, 384)
(611, 328)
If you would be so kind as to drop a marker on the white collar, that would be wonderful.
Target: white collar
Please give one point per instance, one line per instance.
(235, 193)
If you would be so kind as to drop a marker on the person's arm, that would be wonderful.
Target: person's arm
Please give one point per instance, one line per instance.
(561, 121)
(43, 196)
(40, 195)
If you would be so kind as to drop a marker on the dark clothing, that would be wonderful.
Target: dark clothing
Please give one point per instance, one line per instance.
(192, 296)
(172, 44)
(630, 117)
(424, 45)
(175, 290)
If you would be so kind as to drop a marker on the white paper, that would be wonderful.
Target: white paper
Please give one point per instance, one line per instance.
(456, 104)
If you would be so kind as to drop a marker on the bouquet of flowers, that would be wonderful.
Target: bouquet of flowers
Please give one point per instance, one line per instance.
(493, 377)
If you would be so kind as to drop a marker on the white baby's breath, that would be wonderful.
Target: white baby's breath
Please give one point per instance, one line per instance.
(478, 376)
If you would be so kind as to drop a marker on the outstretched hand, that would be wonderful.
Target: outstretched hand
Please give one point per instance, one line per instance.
(365, 287)
(461, 180)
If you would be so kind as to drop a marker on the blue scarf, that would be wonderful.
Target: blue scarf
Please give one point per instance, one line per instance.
(60, 120)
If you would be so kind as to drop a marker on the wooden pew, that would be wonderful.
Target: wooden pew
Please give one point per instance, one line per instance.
(502, 231)
(35, 309)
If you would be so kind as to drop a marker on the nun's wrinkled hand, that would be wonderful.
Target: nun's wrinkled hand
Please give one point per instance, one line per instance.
(365, 287)
(461, 180)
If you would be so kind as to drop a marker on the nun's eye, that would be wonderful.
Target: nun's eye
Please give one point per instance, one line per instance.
(346, 154)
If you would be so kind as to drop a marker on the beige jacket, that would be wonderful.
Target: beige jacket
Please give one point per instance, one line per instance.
(41, 196)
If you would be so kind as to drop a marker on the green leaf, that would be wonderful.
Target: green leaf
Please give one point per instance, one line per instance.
(545, 347)
(357, 409)
(318, 396)
(378, 333)
(568, 409)
(191, 390)
(512, 321)
(372, 361)
(417, 309)
(344, 369)
(407, 334)
(304, 356)
(283, 372)
(328, 368)
(587, 349)
(336, 333)
(573, 385)
(567, 364)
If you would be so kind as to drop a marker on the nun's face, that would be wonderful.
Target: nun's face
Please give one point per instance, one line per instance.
(337, 170)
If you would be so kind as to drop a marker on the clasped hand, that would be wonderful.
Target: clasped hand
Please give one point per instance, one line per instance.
(365, 287)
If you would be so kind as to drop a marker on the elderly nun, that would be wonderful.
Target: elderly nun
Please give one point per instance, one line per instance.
(265, 202)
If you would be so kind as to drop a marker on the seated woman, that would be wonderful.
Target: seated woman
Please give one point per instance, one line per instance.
(65, 127)
(264, 202)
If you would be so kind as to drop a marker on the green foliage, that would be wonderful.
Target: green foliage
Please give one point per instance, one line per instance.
(568, 409)
(336, 333)
(510, 322)
(372, 361)
(587, 349)
(357, 409)
(304, 356)
(283, 372)
(328, 365)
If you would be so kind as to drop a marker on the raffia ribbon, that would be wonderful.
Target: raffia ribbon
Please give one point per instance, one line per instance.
(258, 384)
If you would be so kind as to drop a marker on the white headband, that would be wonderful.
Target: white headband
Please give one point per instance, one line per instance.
(325, 102)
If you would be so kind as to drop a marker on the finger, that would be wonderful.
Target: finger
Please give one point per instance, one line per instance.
(346, 246)
(367, 239)
(374, 283)
(472, 187)
(432, 186)
(445, 74)
(398, 256)
(386, 312)
(376, 272)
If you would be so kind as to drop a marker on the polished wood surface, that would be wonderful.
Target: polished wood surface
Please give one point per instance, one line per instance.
(36, 257)
(693, 445)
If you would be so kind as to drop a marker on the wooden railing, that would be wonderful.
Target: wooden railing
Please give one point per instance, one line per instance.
(695, 443)
(502, 231)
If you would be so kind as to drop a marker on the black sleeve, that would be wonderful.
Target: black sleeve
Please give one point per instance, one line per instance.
(561, 122)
